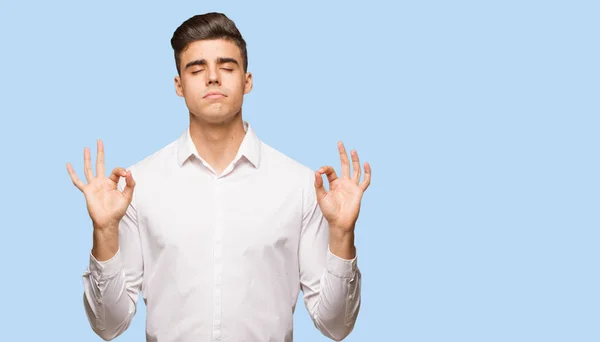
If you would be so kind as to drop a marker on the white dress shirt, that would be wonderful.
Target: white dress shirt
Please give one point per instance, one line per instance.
(222, 257)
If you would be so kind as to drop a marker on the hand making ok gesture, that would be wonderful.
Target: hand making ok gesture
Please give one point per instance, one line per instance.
(341, 204)
(105, 203)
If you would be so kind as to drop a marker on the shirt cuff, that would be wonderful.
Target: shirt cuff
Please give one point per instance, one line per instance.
(108, 268)
(339, 267)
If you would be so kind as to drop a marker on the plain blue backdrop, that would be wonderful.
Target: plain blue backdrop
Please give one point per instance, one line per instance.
(480, 120)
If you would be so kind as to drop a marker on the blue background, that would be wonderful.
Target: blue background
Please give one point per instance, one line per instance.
(480, 120)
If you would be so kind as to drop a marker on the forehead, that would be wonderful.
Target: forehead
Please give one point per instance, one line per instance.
(210, 50)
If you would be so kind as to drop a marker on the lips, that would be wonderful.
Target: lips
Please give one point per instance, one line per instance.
(214, 95)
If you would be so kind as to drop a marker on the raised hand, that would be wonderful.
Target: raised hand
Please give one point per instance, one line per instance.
(105, 203)
(341, 204)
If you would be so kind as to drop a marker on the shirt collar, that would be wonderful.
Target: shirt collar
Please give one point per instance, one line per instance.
(249, 148)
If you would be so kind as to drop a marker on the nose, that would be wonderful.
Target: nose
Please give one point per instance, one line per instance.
(213, 76)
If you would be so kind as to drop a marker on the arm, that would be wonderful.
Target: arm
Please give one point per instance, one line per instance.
(113, 279)
(112, 285)
(329, 275)
(330, 284)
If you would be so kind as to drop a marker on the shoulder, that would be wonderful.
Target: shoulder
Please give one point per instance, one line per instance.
(290, 175)
(285, 166)
(154, 164)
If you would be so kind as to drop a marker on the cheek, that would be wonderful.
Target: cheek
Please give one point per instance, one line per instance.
(191, 92)
(235, 83)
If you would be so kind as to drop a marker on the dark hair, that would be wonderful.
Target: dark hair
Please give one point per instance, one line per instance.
(207, 26)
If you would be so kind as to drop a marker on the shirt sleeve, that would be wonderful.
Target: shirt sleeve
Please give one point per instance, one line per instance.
(330, 284)
(112, 287)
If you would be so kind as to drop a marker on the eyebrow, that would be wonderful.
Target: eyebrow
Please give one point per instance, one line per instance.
(220, 60)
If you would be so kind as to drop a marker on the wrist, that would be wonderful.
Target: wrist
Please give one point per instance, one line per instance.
(341, 243)
(105, 244)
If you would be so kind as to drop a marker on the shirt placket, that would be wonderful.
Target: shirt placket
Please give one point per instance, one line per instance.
(218, 259)
(218, 252)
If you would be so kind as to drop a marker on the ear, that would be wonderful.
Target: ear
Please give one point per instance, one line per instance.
(248, 85)
(178, 86)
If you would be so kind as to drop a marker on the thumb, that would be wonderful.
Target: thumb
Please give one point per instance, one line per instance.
(319, 186)
(129, 185)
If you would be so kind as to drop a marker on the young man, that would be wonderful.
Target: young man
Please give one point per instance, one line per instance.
(222, 231)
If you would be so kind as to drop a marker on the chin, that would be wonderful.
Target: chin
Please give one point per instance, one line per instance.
(215, 115)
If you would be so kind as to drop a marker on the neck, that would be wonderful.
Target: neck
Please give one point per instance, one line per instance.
(217, 143)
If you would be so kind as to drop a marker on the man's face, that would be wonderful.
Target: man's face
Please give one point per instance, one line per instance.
(212, 80)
